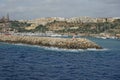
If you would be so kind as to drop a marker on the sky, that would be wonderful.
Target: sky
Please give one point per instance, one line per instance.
(32, 9)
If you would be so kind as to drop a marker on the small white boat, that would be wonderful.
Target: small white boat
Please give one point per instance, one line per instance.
(104, 37)
(56, 35)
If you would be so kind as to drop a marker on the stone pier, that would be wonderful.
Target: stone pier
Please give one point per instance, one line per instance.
(67, 43)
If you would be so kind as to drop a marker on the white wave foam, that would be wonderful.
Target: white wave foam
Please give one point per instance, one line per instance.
(61, 49)
(94, 49)
(71, 50)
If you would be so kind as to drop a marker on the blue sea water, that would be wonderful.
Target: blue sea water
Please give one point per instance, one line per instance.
(25, 62)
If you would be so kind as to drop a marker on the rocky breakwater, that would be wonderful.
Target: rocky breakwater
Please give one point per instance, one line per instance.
(77, 43)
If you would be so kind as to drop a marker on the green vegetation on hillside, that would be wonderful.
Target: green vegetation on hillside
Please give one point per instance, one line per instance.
(19, 26)
(40, 28)
(67, 27)
(89, 28)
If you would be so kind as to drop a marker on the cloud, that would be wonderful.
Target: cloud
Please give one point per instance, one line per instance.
(111, 1)
(63, 8)
(52, 1)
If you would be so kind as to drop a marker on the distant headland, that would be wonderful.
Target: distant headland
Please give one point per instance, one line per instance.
(82, 26)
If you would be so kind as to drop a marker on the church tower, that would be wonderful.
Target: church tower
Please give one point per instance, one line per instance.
(8, 17)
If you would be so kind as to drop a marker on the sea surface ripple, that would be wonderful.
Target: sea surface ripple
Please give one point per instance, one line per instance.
(26, 62)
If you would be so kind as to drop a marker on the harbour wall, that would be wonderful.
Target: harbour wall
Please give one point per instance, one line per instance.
(67, 43)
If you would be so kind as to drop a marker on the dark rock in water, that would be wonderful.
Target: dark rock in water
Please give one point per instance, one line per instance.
(77, 43)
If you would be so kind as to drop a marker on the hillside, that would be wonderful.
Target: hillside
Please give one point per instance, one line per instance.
(64, 27)
(88, 28)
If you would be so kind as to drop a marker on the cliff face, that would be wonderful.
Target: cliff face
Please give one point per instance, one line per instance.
(77, 43)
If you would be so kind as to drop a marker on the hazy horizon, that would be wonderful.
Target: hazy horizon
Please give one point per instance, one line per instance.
(29, 9)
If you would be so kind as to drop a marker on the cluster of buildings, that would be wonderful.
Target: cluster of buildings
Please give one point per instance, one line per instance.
(5, 21)
(43, 21)
(85, 19)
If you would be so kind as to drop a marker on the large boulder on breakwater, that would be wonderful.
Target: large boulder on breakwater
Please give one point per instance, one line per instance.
(67, 43)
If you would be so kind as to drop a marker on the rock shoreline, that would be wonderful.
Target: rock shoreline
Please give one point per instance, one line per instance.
(77, 43)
